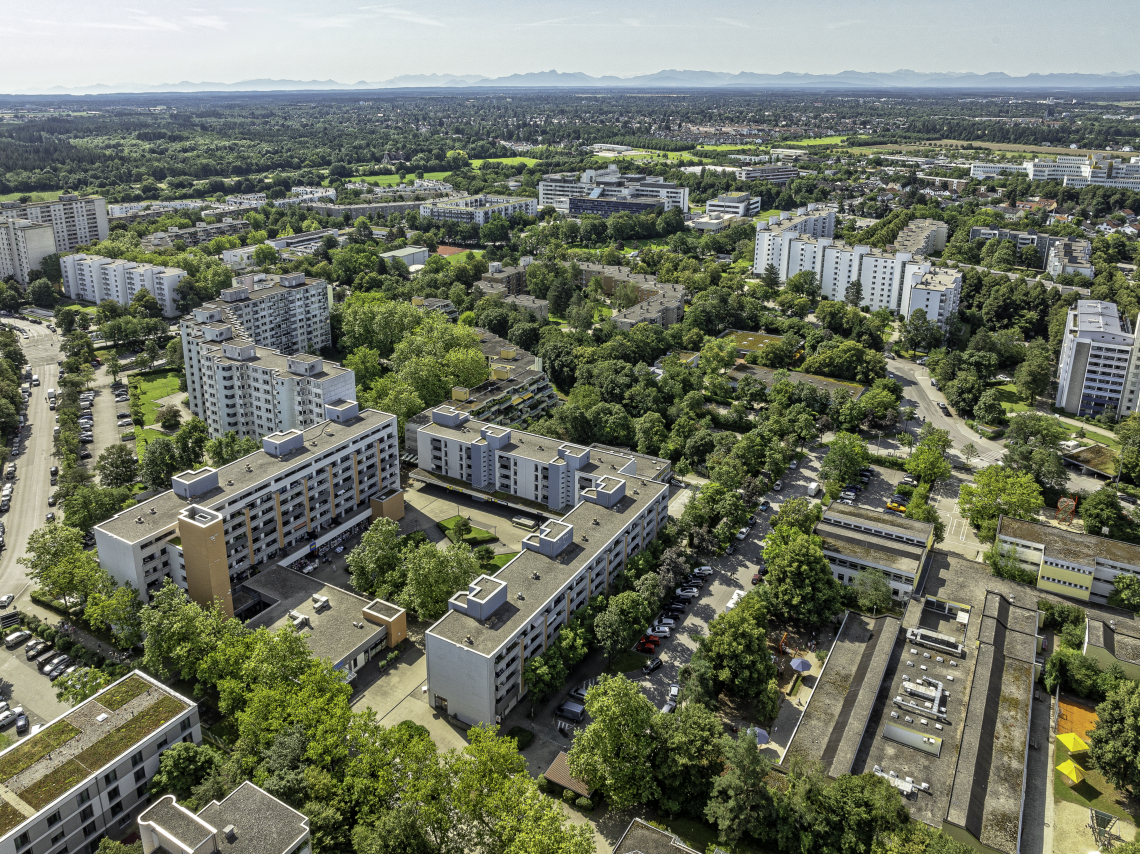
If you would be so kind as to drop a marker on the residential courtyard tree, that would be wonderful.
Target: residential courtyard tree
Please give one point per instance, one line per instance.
(1114, 744)
(800, 584)
(617, 627)
(872, 590)
(736, 648)
(998, 490)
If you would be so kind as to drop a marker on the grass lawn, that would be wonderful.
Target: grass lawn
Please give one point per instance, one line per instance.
(602, 312)
(626, 662)
(1010, 400)
(477, 537)
(1093, 792)
(729, 146)
(461, 257)
(41, 196)
(699, 836)
(153, 387)
(512, 161)
(502, 560)
(1104, 438)
(765, 214)
(82, 306)
(823, 140)
(393, 180)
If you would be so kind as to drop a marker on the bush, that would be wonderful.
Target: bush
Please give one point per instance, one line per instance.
(568, 796)
(522, 735)
(50, 634)
(896, 463)
(542, 784)
(584, 804)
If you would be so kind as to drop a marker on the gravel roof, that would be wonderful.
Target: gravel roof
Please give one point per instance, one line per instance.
(1070, 546)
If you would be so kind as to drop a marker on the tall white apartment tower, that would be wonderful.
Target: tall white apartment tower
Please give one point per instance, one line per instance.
(774, 235)
(94, 278)
(75, 221)
(23, 245)
(1099, 365)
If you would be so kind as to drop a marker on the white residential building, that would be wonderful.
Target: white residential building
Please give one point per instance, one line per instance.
(936, 290)
(23, 246)
(76, 221)
(248, 820)
(1070, 170)
(87, 774)
(279, 504)
(556, 190)
(776, 174)
(1068, 256)
(478, 209)
(94, 278)
(734, 204)
(772, 236)
(307, 195)
(613, 505)
(1099, 365)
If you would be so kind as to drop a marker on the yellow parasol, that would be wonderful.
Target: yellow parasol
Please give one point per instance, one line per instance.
(1071, 770)
(1073, 742)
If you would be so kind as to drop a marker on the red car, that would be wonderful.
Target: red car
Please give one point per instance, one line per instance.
(756, 578)
(649, 639)
(647, 648)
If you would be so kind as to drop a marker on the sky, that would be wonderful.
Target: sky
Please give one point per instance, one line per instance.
(75, 43)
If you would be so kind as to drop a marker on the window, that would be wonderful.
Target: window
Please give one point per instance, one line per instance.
(88, 830)
(125, 820)
(110, 778)
(113, 794)
(58, 837)
(116, 808)
(140, 792)
(87, 813)
(53, 819)
(185, 725)
(22, 840)
(140, 775)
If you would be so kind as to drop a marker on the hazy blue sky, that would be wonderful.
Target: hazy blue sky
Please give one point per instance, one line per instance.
(81, 42)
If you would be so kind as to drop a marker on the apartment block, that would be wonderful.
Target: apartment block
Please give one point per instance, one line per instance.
(659, 303)
(289, 313)
(280, 504)
(477, 209)
(517, 390)
(1069, 256)
(772, 236)
(557, 190)
(922, 237)
(86, 775)
(75, 221)
(1070, 170)
(202, 232)
(774, 174)
(94, 278)
(713, 223)
(248, 820)
(856, 538)
(506, 280)
(1099, 367)
(1068, 563)
(441, 306)
(936, 290)
(611, 507)
(23, 246)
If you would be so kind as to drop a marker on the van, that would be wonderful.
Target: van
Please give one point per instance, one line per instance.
(51, 394)
(813, 488)
(571, 711)
(35, 379)
(16, 638)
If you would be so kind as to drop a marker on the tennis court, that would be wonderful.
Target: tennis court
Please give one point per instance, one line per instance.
(1076, 718)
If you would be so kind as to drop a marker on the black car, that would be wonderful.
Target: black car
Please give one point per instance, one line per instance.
(652, 665)
(1126, 498)
(765, 506)
(21, 723)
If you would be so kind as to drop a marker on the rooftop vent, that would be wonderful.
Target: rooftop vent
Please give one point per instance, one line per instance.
(519, 596)
(102, 717)
(230, 832)
(596, 522)
(535, 575)
(470, 640)
(585, 539)
(248, 467)
(229, 483)
(153, 512)
(139, 519)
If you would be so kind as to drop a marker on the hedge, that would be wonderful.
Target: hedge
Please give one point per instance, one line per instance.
(896, 463)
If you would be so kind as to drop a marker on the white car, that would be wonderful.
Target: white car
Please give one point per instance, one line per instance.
(659, 631)
(665, 621)
(778, 485)
(847, 495)
(674, 691)
(6, 600)
(125, 422)
(688, 592)
(742, 533)
(703, 570)
(792, 465)
(7, 717)
(847, 501)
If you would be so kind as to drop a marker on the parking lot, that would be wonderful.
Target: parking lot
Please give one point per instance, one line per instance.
(21, 684)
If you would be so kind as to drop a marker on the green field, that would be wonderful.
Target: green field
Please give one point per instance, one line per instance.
(1093, 792)
(39, 196)
(502, 560)
(823, 140)
(766, 214)
(69, 303)
(477, 537)
(1009, 398)
(461, 257)
(393, 180)
(602, 312)
(153, 387)
(725, 147)
(512, 161)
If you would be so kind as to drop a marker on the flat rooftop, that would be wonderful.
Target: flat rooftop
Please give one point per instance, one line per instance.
(553, 573)
(1096, 316)
(749, 341)
(870, 548)
(234, 478)
(1120, 645)
(1070, 546)
(332, 632)
(262, 824)
(883, 521)
(77, 745)
(768, 377)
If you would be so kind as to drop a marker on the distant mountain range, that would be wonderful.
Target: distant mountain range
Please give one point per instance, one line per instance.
(672, 79)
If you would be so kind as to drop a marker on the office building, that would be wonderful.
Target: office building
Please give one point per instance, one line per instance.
(772, 236)
(517, 390)
(87, 774)
(855, 538)
(1075, 171)
(441, 306)
(713, 223)
(477, 209)
(601, 205)
(922, 237)
(281, 503)
(246, 821)
(202, 232)
(610, 506)
(75, 221)
(540, 308)
(23, 245)
(778, 173)
(1099, 367)
(558, 189)
(736, 204)
(936, 290)
(93, 278)
(1069, 563)
(286, 312)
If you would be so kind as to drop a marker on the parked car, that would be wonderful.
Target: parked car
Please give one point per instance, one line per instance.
(16, 638)
(652, 665)
(57, 672)
(910, 480)
(694, 581)
(765, 506)
(669, 707)
(688, 592)
(847, 494)
(571, 711)
(752, 520)
(934, 382)
(731, 550)
(664, 621)
(778, 485)
(51, 500)
(52, 661)
(793, 465)
(894, 505)
(7, 718)
(742, 533)
(7, 598)
(122, 415)
(847, 501)
(1126, 498)
(124, 422)
(649, 638)
(36, 650)
(54, 471)
(701, 570)
(50, 517)
(756, 577)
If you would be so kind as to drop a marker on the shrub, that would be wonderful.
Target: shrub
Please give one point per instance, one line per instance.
(542, 784)
(522, 735)
(584, 804)
(568, 796)
(50, 634)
